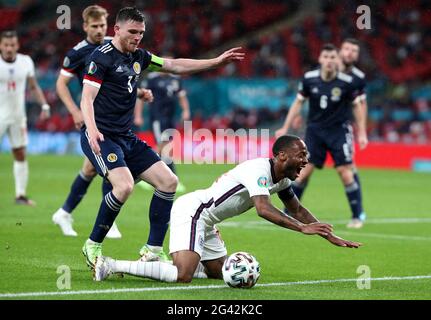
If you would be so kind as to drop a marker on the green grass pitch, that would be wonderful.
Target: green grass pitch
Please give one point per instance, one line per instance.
(396, 240)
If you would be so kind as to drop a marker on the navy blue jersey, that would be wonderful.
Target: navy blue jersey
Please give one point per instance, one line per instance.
(116, 75)
(165, 88)
(76, 58)
(330, 101)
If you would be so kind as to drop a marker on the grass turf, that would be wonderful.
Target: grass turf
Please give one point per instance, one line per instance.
(395, 245)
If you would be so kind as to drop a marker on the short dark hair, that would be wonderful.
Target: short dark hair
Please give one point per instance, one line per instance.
(283, 143)
(352, 41)
(129, 13)
(8, 34)
(329, 47)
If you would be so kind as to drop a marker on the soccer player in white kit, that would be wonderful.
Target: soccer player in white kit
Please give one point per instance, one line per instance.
(16, 70)
(195, 244)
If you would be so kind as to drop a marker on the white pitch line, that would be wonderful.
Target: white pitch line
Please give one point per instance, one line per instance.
(275, 284)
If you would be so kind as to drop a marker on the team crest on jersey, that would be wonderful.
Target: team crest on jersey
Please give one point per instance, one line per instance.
(66, 62)
(112, 157)
(335, 94)
(262, 182)
(92, 68)
(137, 68)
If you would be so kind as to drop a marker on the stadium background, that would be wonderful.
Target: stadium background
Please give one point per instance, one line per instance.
(282, 40)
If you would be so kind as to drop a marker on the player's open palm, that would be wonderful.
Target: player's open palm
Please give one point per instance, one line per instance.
(322, 229)
(335, 240)
(230, 56)
(94, 137)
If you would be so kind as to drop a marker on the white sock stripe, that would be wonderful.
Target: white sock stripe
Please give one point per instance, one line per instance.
(164, 195)
(352, 187)
(84, 177)
(114, 201)
(111, 204)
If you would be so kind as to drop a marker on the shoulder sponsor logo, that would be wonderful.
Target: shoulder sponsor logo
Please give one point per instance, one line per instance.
(66, 62)
(137, 68)
(112, 157)
(92, 68)
(262, 182)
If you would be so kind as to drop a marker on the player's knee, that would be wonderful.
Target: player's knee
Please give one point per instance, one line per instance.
(346, 175)
(123, 189)
(169, 184)
(184, 277)
(89, 171)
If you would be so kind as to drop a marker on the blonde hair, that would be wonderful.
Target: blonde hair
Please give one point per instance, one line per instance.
(95, 12)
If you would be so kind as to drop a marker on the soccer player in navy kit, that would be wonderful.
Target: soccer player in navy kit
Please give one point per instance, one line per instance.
(329, 128)
(349, 55)
(167, 89)
(108, 102)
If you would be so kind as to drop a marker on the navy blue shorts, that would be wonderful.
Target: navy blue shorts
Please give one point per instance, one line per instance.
(124, 150)
(337, 140)
(159, 125)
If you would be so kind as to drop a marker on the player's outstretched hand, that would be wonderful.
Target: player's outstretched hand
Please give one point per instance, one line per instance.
(322, 229)
(94, 137)
(337, 241)
(230, 56)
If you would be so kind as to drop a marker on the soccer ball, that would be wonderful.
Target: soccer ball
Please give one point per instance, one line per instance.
(241, 270)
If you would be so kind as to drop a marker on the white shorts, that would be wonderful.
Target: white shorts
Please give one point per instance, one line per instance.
(188, 231)
(16, 131)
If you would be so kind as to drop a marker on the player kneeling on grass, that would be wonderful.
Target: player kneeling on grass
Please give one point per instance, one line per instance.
(195, 244)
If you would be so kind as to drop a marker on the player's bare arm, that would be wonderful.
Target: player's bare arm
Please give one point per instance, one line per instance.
(188, 66)
(267, 211)
(38, 94)
(293, 112)
(89, 94)
(184, 104)
(361, 121)
(302, 214)
(65, 96)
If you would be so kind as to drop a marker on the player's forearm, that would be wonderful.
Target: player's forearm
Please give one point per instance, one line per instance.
(184, 104)
(65, 96)
(88, 114)
(188, 66)
(304, 215)
(277, 217)
(38, 94)
(360, 117)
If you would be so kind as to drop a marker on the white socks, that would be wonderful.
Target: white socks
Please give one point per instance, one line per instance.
(154, 270)
(200, 272)
(20, 171)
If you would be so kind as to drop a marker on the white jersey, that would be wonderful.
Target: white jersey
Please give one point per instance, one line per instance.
(230, 195)
(13, 79)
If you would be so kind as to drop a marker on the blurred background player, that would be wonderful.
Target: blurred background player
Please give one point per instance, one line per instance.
(95, 26)
(349, 56)
(329, 128)
(167, 89)
(16, 70)
(195, 243)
